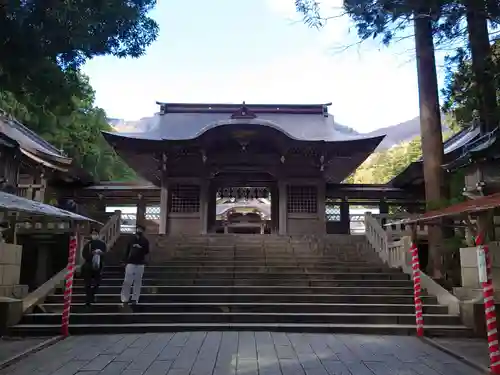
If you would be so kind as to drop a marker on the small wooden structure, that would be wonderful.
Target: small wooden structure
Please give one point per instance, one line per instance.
(17, 209)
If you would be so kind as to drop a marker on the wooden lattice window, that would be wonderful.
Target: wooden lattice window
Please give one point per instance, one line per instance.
(332, 211)
(302, 199)
(153, 212)
(185, 198)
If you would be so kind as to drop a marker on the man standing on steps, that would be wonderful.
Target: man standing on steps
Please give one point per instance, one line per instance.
(135, 259)
(91, 270)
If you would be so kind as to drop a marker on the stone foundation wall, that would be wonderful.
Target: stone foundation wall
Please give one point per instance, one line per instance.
(305, 225)
(10, 270)
(184, 224)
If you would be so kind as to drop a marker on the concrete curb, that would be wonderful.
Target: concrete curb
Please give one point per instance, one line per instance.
(34, 349)
(460, 357)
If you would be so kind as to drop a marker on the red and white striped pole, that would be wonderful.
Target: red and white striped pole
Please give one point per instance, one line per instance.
(68, 290)
(417, 290)
(489, 306)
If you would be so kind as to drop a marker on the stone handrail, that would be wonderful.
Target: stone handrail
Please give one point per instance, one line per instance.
(396, 254)
(109, 234)
(376, 236)
(397, 230)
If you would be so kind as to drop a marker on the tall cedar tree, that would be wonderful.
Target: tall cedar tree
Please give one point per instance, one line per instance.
(44, 42)
(374, 18)
(460, 94)
(478, 12)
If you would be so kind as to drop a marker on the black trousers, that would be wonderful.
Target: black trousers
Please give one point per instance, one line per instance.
(92, 279)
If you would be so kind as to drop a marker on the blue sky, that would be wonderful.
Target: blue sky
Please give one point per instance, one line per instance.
(259, 52)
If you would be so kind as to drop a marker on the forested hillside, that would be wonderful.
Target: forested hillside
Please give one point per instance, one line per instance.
(42, 51)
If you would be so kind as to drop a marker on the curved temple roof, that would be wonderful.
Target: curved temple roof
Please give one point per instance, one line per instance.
(179, 121)
(299, 123)
(32, 145)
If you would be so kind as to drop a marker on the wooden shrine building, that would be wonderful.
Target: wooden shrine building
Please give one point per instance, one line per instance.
(289, 154)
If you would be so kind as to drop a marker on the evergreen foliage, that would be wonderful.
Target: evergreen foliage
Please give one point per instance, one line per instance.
(77, 133)
(43, 45)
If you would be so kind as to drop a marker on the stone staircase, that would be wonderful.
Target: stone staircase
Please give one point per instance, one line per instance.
(253, 282)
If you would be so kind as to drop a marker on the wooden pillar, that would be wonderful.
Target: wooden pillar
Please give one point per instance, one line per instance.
(321, 205)
(274, 208)
(383, 208)
(40, 180)
(204, 196)
(100, 205)
(212, 207)
(141, 211)
(345, 218)
(164, 206)
(42, 263)
(283, 207)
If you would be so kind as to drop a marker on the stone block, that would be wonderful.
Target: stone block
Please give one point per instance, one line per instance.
(11, 274)
(19, 255)
(20, 291)
(10, 254)
(470, 277)
(11, 312)
(468, 257)
(6, 290)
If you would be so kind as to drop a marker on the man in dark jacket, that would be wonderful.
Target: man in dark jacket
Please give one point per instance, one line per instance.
(92, 253)
(135, 259)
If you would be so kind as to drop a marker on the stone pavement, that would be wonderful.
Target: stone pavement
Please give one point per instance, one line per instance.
(262, 353)
(10, 347)
(475, 350)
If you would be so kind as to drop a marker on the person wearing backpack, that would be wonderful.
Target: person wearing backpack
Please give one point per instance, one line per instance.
(92, 253)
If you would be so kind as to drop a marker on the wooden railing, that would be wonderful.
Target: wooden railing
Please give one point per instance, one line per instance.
(109, 233)
(396, 254)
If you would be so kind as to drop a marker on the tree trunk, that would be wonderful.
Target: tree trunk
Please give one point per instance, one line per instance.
(479, 43)
(432, 138)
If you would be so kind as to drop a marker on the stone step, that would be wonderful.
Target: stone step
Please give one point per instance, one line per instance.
(256, 282)
(252, 307)
(238, 317)
(374, 329)
(257, 247)
(182, 261)
(249, 289)
(230, 276)
(266, 269)
(250, 270)
(302, 275)
(282, 262)
(255, 255)
(253, 298)
(165, 258)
